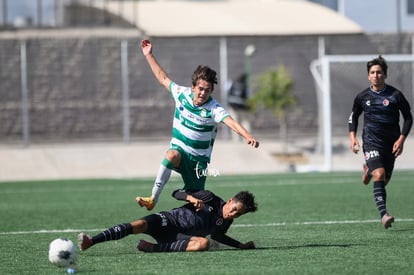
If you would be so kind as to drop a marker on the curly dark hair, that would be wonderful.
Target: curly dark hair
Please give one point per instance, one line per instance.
(378, 61)
(247, 199)
(204, 73)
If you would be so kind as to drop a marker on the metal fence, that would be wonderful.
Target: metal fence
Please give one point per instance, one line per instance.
(65, 89)
(69, 85)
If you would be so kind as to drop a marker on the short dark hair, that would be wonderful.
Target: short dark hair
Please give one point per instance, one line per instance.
(247, 199)
(204, 73)
(378, 61)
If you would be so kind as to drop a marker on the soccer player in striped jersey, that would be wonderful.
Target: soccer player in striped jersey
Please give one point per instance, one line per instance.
(197, 115)
(183, 228)
(383, 139)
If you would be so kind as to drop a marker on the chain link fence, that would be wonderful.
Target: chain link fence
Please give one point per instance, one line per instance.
(72, 89)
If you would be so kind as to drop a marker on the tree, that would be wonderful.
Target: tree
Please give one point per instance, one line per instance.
(273, 91)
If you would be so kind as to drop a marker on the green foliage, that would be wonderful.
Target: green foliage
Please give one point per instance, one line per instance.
(273, 91)
(310, 223)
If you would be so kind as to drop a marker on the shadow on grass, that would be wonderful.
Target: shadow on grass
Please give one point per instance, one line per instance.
(310, 246)
(300, 246)
(112, 253)
(402, 229)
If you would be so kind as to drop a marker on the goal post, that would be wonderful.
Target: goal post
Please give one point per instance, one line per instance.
(330, 68)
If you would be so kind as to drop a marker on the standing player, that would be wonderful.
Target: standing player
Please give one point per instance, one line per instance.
(383, 140)
(195, 122)
(184, 228)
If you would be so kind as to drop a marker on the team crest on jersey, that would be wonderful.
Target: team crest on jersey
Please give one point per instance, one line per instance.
(385, 102)
(203, 113)
(219, 221)
(368, 103)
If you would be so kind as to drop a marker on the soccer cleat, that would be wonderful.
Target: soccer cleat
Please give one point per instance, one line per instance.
(145, 246)
(387, 220)
(147, 202)
(84, 241)
(365, 177)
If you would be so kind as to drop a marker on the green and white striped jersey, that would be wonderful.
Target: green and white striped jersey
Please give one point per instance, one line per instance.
(195, 127)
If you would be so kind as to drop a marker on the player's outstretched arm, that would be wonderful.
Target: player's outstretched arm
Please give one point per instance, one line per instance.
(224, 239)
(240, 130)
(156, 68)
(196, 198)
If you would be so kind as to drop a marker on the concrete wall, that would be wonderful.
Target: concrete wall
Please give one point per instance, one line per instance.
(75, 92)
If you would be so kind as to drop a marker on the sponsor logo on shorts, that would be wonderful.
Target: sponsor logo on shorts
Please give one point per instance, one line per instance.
(204, 172)
(164, 220)
(371, 154)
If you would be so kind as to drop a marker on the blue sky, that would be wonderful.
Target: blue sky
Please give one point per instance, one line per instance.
(373, 15)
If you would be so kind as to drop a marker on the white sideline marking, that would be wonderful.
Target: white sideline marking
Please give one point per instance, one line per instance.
(318, 223)
(45, 231)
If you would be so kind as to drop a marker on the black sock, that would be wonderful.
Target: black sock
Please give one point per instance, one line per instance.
(114, 233)
(380, 196)
(177, 246)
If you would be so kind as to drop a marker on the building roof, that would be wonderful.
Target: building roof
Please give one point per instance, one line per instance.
(231, 17)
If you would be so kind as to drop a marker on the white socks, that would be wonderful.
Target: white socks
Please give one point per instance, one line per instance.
(163, 176)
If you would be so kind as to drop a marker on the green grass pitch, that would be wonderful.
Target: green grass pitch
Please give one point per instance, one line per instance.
(312, 223)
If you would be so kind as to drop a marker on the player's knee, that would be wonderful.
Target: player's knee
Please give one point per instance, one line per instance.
(204, 244)
(139, 226)
(201, 244)
(174, 157)
(379, 174)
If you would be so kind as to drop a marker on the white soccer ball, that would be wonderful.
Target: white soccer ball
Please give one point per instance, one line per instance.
(62, 252)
